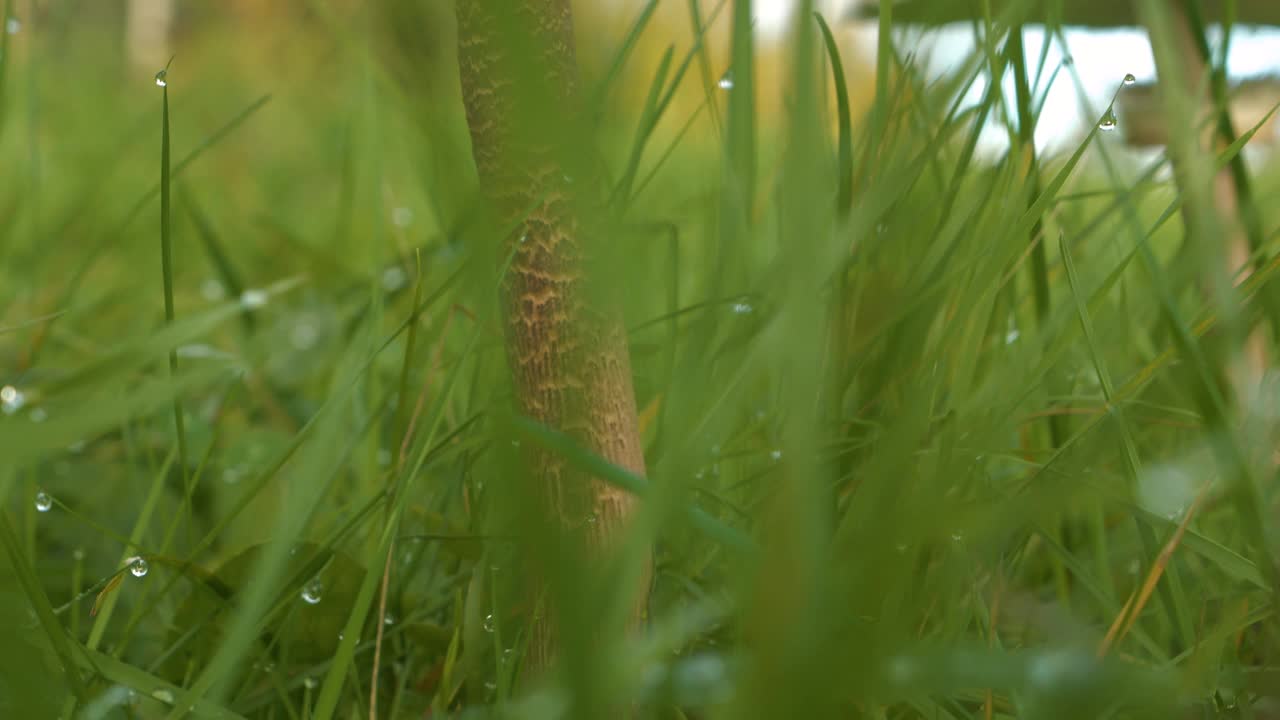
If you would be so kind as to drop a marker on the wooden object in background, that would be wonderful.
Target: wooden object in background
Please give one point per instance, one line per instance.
(1087, 13)
(147, 29)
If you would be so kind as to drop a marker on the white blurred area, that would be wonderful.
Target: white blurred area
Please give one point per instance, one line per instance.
(1101, 60)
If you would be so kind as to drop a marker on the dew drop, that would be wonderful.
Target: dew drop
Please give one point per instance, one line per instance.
(304, 335)
(488, 623)
(508, 655)
(162, 78)
(1129, 79)
(253, 298)
(212, 290)
(44, 503)
(78, 553)
(164, 695)
(775, 455)
(310, 683)
(138, 566)
(393, 278)
(592, 519)
(1108, 122)
(313, 591)
(490, 685)
(39, 415)
(402, 217)
(11, 399)
(1011, 337)
(726, 81)
(389, 619)
(13, 26)
(742, 308)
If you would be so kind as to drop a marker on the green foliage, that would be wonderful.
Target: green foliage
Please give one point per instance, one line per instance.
(849, 328)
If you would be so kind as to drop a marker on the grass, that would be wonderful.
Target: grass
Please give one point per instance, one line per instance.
(930, 434)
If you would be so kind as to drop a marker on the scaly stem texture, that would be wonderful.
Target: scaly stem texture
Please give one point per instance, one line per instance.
(568, 358)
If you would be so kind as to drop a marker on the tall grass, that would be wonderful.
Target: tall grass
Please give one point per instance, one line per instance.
(851, 332)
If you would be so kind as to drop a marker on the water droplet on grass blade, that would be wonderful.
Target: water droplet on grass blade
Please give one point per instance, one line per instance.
(393, 278)
(212, 290)
(11, 399)
(488, 623)
(1129, 79)
(164, 695)
(304, 336)
(742, 308)
(13, 26)
(726, 81)
(313, 591)
(43, 502)
(138, 566)
(162, 78)
(253, 298)
(310, 682)
(1108, 122)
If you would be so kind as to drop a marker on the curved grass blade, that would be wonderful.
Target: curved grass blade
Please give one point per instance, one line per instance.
(844, 152)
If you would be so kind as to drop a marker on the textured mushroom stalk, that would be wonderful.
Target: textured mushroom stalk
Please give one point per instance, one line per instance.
(568, 357)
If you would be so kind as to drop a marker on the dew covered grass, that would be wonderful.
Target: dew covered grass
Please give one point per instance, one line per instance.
(930, 433)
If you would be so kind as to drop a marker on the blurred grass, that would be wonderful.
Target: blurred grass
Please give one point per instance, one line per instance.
(843, 361)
